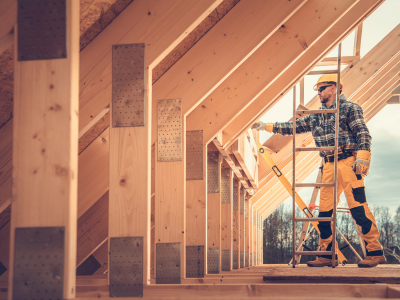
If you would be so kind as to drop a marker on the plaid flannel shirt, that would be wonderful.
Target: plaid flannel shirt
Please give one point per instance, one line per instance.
(353, 132)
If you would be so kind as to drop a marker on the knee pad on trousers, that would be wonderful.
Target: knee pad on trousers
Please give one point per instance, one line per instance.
(325, 227)
(361, 219)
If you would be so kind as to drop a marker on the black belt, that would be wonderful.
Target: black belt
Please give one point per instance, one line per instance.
(342, 155)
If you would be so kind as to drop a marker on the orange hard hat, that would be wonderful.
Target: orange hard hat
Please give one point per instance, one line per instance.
(326, 79)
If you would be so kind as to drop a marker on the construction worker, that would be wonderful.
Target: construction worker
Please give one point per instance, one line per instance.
(353, 164)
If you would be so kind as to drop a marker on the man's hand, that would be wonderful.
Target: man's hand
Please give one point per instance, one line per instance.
(362, 163)
(259, 125)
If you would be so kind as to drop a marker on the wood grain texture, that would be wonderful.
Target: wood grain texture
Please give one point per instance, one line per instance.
(130, 181)
(298, 69)
(8, 18)
(359, 90)
(196, 210)
(257, 73)
(218, 53)
(161, 25)
(45, 143)
(92, 229)
(226, 221)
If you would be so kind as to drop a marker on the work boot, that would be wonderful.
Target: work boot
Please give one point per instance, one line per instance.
(372, 261)
(321, 262)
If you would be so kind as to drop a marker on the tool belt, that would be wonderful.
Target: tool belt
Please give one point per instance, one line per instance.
(341, 155)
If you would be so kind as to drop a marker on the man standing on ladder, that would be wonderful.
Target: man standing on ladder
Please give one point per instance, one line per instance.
(353, 164)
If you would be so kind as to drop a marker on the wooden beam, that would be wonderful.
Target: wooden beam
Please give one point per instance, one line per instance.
(159, 24)
(357, 40)
(92, 229)
(245, 156)
(236, 224)
(45, 157)
(332, 61)
(214, 208)
(6, 134)
(226, 216)
(233, 163)
(246, 250)
(196, 211)
(256, 74)
(8, 18)
(353, 82)
(242, 236)
(212, 59)
(371, 104)
(298, 70)
(244, 291)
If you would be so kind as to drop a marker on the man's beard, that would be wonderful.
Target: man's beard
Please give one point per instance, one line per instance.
(323, 100)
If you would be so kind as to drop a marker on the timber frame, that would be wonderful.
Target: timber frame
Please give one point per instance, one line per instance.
(219, 65)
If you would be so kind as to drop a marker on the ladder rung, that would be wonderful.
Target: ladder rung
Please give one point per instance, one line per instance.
(316, 111)
(313, 253)
(325, 184)
(315, 148)
(313, 219)
(322, 72)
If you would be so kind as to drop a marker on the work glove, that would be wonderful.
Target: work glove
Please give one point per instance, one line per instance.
(262, 126)
(362, 163)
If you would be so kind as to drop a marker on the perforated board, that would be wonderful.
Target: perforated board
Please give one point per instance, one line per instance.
(194, 155)
(212, 260)
(169, 134)
(39, 263)
(225, 185)
(235, 260)
(246, 260)
(225, 260)
(235, 194)
(168, 263)
(41, 30)
(241, 198)
(241, 261)
(126, 267)
(194, 261)
(213, 172)
(128, 85)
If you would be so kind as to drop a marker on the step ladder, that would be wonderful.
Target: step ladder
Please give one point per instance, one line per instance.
(307, 230)
(328, 184)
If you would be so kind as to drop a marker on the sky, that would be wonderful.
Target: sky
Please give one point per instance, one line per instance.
(383, 182)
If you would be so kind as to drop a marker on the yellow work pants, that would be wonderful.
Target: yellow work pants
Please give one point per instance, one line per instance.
(354, 190)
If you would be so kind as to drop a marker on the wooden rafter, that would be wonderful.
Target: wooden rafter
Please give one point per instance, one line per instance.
(297, 70)
(256, 74)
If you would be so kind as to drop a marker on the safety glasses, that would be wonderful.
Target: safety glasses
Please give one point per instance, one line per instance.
(321, 88)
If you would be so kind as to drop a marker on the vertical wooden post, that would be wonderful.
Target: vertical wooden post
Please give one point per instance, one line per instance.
(130, 177)
(251, 237)
(246, 232)
(170, 192)
(262, 240)
(235, 224)
(196, 215)
(45, 144)
(226, 216)
(213, 209)
(242, 228)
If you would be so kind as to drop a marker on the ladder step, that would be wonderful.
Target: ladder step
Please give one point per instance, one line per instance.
(316, 111)
(313, 253)
(315, 148)
(313, 219)
(325, 184)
